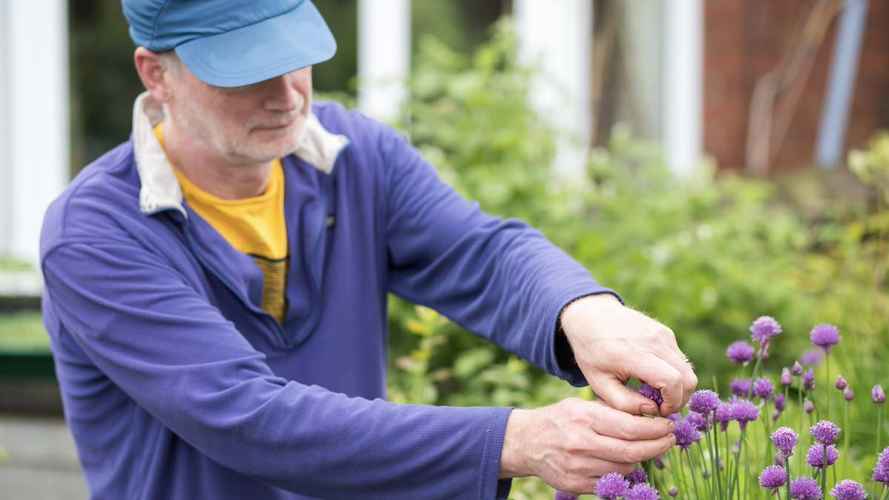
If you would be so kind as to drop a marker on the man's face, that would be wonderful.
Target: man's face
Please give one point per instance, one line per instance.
(242, 125)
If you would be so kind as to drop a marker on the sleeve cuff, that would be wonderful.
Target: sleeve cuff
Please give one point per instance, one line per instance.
(492, 487)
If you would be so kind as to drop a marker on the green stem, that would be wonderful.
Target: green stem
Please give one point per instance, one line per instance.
(712, 440)
(846, 433)
(694, 475)
(827, 385)
(799, 398)
(879, 428)
(709, 482)
(788, 470)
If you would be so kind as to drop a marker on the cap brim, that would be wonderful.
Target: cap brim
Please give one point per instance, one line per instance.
(261, 51)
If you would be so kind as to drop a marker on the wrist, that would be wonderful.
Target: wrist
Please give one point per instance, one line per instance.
(512, 460)
(588, 305)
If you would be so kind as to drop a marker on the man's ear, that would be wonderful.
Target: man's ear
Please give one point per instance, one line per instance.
(154, 73)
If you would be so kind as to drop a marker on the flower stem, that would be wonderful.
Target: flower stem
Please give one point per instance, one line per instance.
(846, 433)
(879, 428)
(694, 475)
(827, 385)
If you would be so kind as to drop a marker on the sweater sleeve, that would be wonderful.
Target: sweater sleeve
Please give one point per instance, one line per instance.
(175, 355)
(500, 279)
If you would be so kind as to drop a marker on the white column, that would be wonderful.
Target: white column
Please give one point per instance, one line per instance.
(384, 40)
(555, 37)
(35, 117)
(682, 84)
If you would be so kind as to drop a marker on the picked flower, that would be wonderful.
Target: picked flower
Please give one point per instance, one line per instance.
(763, 388)
(740, 352)
(704, 402)
(744, 412)
(805, 488)
(825, 432)
(764, 328)
(785, 439)
(821, 456)
(642, 492)
(877, 395)
(561, 495)
(651, 393)
(773, 477)
(825, 336)
(848, 490)
(612, 486)
(841, 383)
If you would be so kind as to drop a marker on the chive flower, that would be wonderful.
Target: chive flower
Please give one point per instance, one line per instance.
(848, 394)
(785, 439)
(786, 377)
(699, 421)
(642, 491)
(805, 488)
(686, 434)
(825, 336)
(672, 491)
(740, 387)
(812, 357)
(825, 432)
(561, 495)
(796, 369)
(763, 388)
(764, 328)
(809, 380)
(637, 476)
(841, 383)
(723, 415)
(779, 402)
(848, 490)
(881, 468)
(740, 352)
(704, 402)
(809, 407)
(773, 477)
(612, 486)
(744, 411)
(877, 395)
(821, 456)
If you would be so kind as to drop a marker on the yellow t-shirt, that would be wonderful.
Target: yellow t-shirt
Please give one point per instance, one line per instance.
(254, 226)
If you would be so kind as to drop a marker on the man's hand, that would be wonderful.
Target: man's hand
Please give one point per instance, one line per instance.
(574, 442)
(613, 343)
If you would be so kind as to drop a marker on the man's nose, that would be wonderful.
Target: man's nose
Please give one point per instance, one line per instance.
(284, 94)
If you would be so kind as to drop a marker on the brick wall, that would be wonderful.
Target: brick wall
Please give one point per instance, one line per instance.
(744, 39)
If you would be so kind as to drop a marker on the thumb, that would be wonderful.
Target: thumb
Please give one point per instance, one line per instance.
(647, 368)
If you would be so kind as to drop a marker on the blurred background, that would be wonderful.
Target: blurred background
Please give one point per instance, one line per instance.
(711, 160)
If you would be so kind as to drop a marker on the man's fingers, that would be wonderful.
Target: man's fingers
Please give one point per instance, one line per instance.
(689, 380)
(619, 396)
(629, 452)
(661, 375)
(620, 425)
(650, 369)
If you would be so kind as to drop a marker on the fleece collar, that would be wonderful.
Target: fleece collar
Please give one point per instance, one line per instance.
(160, 189)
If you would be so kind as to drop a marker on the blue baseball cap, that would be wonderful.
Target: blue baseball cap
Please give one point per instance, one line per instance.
(229, 43)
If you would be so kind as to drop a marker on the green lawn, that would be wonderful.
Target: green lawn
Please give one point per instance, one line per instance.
(22, 332)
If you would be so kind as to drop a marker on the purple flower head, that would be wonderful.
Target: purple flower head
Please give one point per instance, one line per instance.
(881, 469)
(704, 402)
(740, 352)
(877, 395)
(642, 492)
(825, 336)
(561, 495)
(848, 394)
(779, 459)
(812, 357)
(651, 393)
(779, 402)
(699, 421)
(740, 387)
(723, 415)
(611, 486)
(786, 377)
(805, 488)
(848, 490)
(686, 434)
(785, 439)
(764, 328)
(796, 369)
(673, 491)
(744, 411)
(825, 432)
(637, 476)
(809, 380)
(841, 383)
(817, 454)
(763, 388)
(809, 406)
(674, 417)
(773, 477)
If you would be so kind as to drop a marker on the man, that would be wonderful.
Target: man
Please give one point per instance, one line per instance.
(216, 293)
